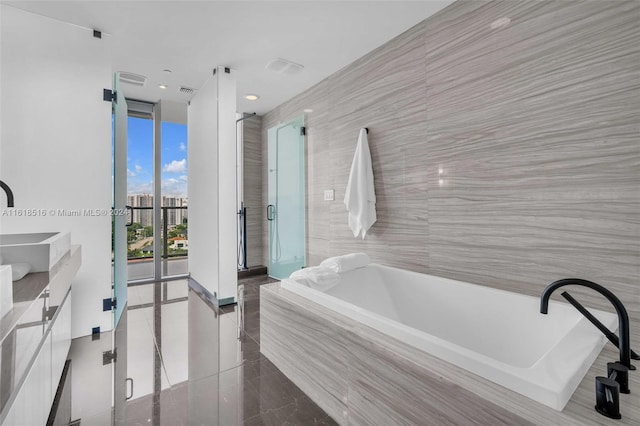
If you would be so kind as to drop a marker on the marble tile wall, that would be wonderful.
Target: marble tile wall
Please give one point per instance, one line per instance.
(535, 128)
(388, 389)
(385, 92)
(252, 187)
(288, 343)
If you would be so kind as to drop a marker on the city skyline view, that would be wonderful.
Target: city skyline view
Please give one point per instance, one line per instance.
(140, 158)
(175, 216)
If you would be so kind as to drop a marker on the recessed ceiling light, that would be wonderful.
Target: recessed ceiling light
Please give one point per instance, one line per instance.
(162, 86)
(251, 97)
(307, 110)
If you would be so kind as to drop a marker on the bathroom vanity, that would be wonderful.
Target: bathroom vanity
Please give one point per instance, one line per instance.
(35, 336)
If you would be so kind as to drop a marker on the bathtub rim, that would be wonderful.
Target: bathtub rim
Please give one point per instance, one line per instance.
(552, 393)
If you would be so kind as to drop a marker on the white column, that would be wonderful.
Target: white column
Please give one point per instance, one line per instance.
(212, 186)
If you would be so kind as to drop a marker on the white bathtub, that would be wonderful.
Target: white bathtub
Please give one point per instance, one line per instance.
(498, 335)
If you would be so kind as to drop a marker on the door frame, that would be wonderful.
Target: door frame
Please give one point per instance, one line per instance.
(140, 109)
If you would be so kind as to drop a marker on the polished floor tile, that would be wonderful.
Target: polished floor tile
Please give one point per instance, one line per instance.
(192, 363)
(91, 395)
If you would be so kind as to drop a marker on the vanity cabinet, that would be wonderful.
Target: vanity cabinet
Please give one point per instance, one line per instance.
(36, 337)
(60, 341)
(31, 406)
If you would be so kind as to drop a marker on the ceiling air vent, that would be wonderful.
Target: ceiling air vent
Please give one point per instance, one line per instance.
(283, 66)
(131, 78)
(186, 90)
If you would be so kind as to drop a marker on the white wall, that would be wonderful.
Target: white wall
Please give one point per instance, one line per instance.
(55, 144)
(227, 186)
(202, 185)
(174, 112)
(212, 186)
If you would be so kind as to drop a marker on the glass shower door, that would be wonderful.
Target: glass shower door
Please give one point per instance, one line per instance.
(286, 209)
(119, 107)
(119, 335)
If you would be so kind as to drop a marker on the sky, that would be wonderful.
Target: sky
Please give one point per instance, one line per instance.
(140, 158)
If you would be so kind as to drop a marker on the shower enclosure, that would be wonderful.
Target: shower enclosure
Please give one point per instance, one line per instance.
(286, 208)
(241, 209)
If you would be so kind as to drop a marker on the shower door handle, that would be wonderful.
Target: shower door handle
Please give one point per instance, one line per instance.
(271, 212)
(130, 380)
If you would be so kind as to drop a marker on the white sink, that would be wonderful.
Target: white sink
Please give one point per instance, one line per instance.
(6, 290)
(40, 250)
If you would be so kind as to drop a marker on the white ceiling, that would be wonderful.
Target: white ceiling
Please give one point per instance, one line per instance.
(192, 37)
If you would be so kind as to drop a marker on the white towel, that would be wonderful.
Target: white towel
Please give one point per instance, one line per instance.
(346, 263)
(360, 196)
(317, 277)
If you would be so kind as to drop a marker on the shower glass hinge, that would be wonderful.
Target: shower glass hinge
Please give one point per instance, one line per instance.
(109, 356)
(109, 95)
(303, 131)
(109, 304)
(48, 313)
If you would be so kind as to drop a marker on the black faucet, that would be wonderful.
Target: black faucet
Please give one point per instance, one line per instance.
(9, 193)
(623, 317)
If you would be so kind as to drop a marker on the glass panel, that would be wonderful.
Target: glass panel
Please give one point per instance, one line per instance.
(119, 201)
(286, 210)
(120, 112)
(120, 370)
(140, 197)
(175, 242)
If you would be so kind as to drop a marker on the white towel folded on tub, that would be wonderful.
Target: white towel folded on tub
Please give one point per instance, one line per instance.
(317, 277)
(346, 263)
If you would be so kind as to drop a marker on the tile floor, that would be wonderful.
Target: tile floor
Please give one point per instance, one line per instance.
(191, 364)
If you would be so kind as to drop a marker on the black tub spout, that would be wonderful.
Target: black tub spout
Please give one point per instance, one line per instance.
(623, 317)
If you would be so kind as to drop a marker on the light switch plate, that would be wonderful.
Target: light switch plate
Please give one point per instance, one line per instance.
(329, 195)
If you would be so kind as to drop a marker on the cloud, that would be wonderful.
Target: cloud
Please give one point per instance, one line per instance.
(174, 187)
(176, 166)
(137, 169)
(183, 178)
(140, 188)
(183, 146)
